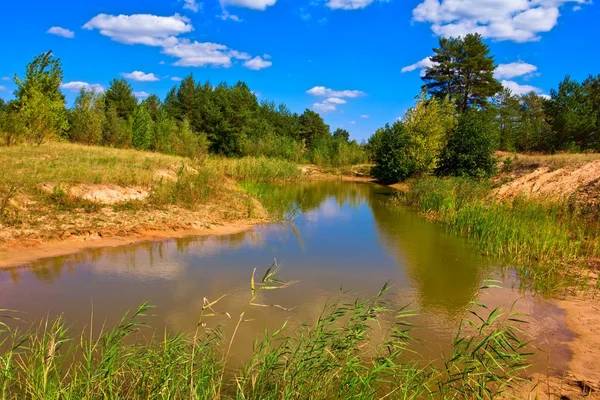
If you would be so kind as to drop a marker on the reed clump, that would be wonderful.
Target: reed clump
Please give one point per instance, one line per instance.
(354, 350)
(541, 238)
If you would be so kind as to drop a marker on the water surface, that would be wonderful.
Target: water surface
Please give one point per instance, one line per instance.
(343, 239)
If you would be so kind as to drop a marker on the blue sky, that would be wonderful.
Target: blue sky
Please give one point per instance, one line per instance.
(357, 62)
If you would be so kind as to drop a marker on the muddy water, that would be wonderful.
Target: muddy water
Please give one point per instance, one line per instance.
(343, 239)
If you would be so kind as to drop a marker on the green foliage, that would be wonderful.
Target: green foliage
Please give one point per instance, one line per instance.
(117, 131)
(392, 160)
(343, 134)
(470, 149)
(87, 119)
(142, 128)
(329, 151)
(275, 146)
(120, 98)
(187, 143)
(312, 127)
(11, 126)
(462, 70)
(428, 126)
(40, 103)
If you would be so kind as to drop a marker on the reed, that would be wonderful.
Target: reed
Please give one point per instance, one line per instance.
(354, 350)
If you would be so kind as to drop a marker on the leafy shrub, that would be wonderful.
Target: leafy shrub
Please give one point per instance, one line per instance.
(392, 160)
(470, 149)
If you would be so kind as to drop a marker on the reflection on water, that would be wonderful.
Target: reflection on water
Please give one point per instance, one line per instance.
(344, 238)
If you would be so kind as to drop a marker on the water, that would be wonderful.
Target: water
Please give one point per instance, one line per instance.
(343, 239)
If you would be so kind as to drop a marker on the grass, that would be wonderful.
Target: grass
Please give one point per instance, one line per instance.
(355, 350)
(257, 169)
(552, 161)
(543, 239)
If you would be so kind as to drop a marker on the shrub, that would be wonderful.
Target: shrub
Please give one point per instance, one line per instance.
(470, 149)
(392, 160)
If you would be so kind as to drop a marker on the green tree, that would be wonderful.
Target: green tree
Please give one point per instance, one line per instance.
(39, 100)
(142, 128)
(532, 132)
(11, 127)
(311, 127)
(116, 131)
(341, 134)
(392, 161)
(153, 104)
(470, 149)
(428, 126)
(87, 119)
(508, 110)
(463, 70)
(120, 98)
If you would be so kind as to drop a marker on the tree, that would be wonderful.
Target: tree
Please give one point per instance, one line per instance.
(532, 132)
(392, 161)
(153, 104)
(470, 149)
(142, 128)
(11, 127)
(463, 70)
(428, 126)
(571, 116)
(40, 102)
(507, 109)
(312, 126)
(116, 131)
(120, 97)
(87, 118)
(341, 134)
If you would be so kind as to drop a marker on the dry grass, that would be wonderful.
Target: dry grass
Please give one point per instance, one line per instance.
(552, 161)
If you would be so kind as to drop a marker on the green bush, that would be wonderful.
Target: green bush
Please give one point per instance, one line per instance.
(392, 160)
(470, 149)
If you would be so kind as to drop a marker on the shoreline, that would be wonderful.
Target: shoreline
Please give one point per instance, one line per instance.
(22, 255)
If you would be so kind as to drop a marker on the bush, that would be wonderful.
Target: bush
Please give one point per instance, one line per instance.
(336, 152)
(273, 146)
(470, 149)
(392, 160)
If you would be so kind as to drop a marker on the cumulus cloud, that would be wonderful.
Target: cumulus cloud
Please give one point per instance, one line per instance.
(76, 86)
(140, 95)
(322, 91)
(191, 5)
(257, 63)
(176, 79)
(348, 4)
(254, 4)
(424, 63)
(333, 97)
(515, 20)
(58, 31)
(140, 76)
(512, 70)
(225, 15)
(151, 30)
(518, 89)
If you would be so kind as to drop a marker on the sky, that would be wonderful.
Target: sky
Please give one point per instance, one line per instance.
(357, 62)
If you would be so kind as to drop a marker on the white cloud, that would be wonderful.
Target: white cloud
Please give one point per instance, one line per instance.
(324, 107)
(196, 54)
(335, 100)
(365, 116)
(176, 79)
(577, 8)
(353, 122)
(515, 20)
(57, 30)
(348, 4)
(140, 76)
(225, 16)
(140, 95)
(254, 4)
(512, 70)
(257, 63)
(76, 86)
(151, 30)
(191, 5)
(2, 88)
(322, 91)
(518, 89)
(424, 63)
(5, 78)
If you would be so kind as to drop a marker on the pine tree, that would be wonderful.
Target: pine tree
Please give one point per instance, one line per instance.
(463, 71)
(142, 128)
(120, 97)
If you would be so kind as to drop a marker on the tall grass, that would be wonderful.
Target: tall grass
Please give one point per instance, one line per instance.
(256, 169)
(354, 350)
(541, 237)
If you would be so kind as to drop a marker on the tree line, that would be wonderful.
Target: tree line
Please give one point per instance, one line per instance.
(194, 118)
(464, 115)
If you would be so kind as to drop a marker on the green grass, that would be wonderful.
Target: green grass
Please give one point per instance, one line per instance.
(354, 350)
(542, 239)
(257, 169)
